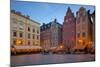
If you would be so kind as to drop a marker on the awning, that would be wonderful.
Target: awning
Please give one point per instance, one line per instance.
(28, 47)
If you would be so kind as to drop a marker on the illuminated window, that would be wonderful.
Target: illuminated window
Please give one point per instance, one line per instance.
(18, 42)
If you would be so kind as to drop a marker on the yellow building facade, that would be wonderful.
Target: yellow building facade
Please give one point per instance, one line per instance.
(24, 31)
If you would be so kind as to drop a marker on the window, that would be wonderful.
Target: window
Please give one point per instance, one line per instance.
(33, 36)
(14, 42)
(28, 42)
(28, 35)
(66, 20)
(78, 20)
(37, 31)
(33, 43)
(18, 42)
(21, 34)
(28, 29)
(70, 19)
(78, 35)
(83, 19)
(37, 36)
(21, 25)
(14, 33)
(14, 20)
(83, 34)
(84, 14)
(33, 30)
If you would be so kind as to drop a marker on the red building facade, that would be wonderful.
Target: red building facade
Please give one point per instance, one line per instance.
(69, 30)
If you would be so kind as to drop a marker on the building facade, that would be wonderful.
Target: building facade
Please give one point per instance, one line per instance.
(69, 30)
(24, 31)
(83, 29)
(51, 35)
(45, 33)
(91, 17)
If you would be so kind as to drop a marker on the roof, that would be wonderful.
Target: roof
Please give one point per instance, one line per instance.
(48, 25)
(45, 26)
(27, 17)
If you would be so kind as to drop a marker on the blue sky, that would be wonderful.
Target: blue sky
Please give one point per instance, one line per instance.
(46, 12)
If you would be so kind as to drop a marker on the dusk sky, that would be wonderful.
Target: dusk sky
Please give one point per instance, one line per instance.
(46, 12)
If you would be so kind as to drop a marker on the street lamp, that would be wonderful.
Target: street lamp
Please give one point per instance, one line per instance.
(61, 46)
(80, 41)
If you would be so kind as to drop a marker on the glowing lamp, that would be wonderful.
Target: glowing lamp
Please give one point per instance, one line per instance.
(18, 42)
(80, 41)
(61, 46)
